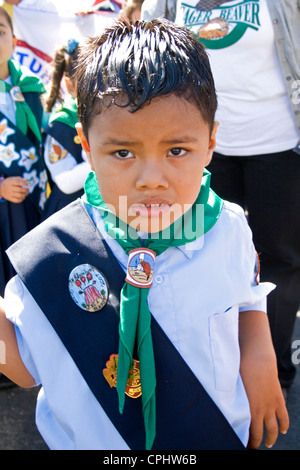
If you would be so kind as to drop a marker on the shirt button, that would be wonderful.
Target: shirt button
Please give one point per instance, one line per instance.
(158, 279)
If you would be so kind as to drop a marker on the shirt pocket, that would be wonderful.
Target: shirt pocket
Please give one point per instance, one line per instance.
(225, 351)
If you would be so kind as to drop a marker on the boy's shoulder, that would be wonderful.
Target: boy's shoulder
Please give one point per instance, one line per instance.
(233, 213)
(233, 223)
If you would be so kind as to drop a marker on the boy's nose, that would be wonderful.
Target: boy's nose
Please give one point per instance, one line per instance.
(151, 176)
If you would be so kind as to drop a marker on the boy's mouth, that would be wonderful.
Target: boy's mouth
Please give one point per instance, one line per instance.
(150, 209)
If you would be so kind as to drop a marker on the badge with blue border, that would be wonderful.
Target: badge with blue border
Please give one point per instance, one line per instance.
(140, 267)
(88, 288)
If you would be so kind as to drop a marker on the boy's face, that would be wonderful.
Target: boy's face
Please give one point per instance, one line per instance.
(149, 164)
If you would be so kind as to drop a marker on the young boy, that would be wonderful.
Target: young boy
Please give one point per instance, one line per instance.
(146, 105)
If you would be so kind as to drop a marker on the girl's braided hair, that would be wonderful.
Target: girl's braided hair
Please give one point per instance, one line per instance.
(65, 61)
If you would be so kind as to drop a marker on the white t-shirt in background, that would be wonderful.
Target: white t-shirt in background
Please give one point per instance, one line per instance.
(253, 107)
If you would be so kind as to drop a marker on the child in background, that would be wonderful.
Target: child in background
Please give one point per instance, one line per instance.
(23, 176)
(63, 154)
(131, 10)
(185, 339)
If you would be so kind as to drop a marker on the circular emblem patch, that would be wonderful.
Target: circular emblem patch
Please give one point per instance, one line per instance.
(88, 288)
(140, 267)
(16, 94)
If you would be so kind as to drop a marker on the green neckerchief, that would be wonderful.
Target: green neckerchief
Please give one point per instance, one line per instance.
(67, 114)
(135, 317)
(24, 82)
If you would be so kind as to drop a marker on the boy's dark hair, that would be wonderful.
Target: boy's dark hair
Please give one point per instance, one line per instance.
(140, 62)
(4, 12)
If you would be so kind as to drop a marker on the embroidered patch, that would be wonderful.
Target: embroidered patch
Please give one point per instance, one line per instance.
(140, 267)
(57, 153)
(133, 388)
(5, 131)
(28, 158)
(88, 288)
(8, 154)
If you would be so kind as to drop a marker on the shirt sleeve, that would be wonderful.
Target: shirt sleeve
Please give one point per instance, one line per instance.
(253, 291)
(17, 302)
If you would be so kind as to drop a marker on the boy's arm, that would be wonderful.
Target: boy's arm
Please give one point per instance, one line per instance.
(259, 374)
(13, 366)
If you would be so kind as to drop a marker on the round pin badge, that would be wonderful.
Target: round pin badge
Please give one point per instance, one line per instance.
(77, 139)
(88, 288)
(16, 94)
(140, 267)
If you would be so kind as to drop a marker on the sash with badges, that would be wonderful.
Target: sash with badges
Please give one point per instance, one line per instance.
(87, 321)
(20, 144)
(62, 128)
(19, 157)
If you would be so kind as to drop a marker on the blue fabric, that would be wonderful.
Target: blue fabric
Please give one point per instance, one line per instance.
(91, 338)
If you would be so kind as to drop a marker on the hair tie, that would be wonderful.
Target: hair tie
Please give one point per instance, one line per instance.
(71, 46)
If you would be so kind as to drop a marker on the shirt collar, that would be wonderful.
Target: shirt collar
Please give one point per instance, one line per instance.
(189, 248)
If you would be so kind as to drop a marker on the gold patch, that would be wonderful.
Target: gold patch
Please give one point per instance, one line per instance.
(133, 388)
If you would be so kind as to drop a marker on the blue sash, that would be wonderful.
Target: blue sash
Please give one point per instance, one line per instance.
(187, 418)
(20, 155)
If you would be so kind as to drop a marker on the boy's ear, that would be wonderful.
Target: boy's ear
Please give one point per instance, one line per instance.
(83, 139)
(84, 144)
(212, 142)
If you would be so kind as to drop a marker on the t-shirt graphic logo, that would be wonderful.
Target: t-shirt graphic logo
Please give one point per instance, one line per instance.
(206, 5)
(219, 24)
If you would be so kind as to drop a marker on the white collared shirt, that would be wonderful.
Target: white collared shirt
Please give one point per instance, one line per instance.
(197, 293)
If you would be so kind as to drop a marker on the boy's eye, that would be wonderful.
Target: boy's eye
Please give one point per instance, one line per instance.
(124, 154)
(177, 152)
